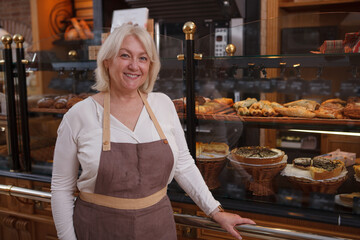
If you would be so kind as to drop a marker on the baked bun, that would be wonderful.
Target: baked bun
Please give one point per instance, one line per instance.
(302, 163)
(352, 108)
(322, 169)
(45, 102)
(257, 155)
(72, 101)
(225, 101)
(60, 103)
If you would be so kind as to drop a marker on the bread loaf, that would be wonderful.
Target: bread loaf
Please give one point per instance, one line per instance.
(45, 102)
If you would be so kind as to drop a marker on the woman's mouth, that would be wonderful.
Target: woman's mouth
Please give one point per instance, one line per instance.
(131, 75)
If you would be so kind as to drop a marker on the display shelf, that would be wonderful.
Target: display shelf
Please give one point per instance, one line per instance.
(275, 61)
(317, 5)
(48, 110)
(281, 122)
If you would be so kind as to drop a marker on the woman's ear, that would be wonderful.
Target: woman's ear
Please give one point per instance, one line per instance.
(106, 63)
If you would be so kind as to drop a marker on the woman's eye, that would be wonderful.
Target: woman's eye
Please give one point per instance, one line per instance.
(124, 55)
(144, 59)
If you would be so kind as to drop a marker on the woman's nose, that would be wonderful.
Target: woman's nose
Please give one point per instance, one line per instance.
(134, 65)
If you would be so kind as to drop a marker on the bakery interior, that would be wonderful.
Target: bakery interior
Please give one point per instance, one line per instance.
(272, 119)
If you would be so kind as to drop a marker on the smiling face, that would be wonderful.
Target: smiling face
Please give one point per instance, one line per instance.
(128, 70)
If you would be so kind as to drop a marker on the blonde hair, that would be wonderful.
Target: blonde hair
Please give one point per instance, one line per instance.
(110, 49)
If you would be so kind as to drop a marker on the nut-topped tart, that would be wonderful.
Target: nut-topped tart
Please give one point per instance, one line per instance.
(257, 155)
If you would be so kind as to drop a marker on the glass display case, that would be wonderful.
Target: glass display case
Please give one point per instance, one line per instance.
(262, 100)
(291, 102)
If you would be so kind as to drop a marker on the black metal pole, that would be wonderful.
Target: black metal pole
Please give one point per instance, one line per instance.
(189, 30)
(10, 103)
(24, 114)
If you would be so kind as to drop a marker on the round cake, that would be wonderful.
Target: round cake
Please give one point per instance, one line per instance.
(257, 155)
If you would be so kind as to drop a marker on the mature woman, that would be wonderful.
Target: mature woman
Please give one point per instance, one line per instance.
(130, 144)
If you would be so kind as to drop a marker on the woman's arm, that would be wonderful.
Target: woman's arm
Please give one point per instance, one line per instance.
(63, 182)
(190, 179)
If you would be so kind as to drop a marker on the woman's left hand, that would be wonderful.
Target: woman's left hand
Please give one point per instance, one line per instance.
(228, 221)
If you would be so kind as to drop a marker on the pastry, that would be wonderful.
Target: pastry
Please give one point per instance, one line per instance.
(225, 101)
(179, 105)
(357, 171)
(211, 148)
(216, 147)
(324, 169)
(302, 163)
(60, 103)
(45, 102)
(352, 108)
(305, 103)
(349, 198)
(257, 155)
(295, 111)
(72, 101)
(199, 147)
(244, 103)
(331, 108)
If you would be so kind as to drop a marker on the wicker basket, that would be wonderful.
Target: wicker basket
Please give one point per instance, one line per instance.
(210, 169)
(307, 185)
(262, 176)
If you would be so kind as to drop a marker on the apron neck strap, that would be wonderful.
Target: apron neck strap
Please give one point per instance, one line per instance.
(152, 116)
(106, 146)
(106, 123)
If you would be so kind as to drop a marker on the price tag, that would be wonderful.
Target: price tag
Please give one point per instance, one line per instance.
(265, 85)
(322, 201)
(279, 84)
(296, 86)
(289, 197)
(241, 85)
(228, 85)
(347, 88)
(235, 191)
(320, 87)
(250, 84)
(356, 205)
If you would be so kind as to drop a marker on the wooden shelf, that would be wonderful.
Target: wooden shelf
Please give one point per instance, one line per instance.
(48, 110)
(318, 5)
(313, 122)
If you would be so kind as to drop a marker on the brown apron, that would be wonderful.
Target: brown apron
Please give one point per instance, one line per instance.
(130, 173)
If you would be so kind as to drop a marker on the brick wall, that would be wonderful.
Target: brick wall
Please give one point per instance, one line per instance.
(16, 10)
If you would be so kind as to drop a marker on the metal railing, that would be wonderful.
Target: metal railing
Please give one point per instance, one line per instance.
(256, 231)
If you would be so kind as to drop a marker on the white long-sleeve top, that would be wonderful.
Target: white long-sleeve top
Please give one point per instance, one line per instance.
(80, 142)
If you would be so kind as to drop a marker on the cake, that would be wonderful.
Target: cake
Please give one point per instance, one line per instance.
(257, 155)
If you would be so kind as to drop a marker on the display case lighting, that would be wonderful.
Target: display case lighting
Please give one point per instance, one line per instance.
(326, 132)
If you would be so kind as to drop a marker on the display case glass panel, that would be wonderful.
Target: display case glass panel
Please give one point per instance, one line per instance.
(299, 102)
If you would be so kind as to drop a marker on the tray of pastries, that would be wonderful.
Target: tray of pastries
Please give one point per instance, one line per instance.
(304, 111)
(55, 104)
